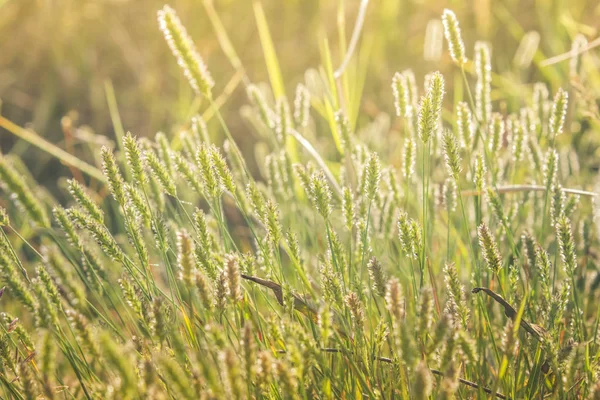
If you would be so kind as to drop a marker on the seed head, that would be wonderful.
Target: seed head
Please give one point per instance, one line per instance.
(377, 275)
(491, 254)
(483, 89)
(430, 110)
(113, 175)
(452, 154)
(559, 111)
(184, 51)
(454, 38)
(302, 106)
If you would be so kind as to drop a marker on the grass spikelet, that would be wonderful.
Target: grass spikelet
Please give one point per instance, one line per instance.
(402, 100)
(113, 175)
(430, 110)
(491, 254)
(16, 186)
(378, 279)
(452, 155)
(559, 111)
(135, 162)
(99, 233)
(320, 193)
(184, 51)
(483, 88)
(372, 175)
(409, 158)
(464, 124)
(394, 300)
(302, 106)
(256, 97)
(85, 201)
(356, 311)
(185, 257)
(423, 384)
(161, 173)
(456, 45)
(566, 244)
(456, 305)
(232, 272)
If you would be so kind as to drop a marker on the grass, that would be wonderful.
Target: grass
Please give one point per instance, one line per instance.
(344, 266)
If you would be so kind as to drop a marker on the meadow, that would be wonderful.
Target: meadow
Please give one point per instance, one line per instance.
(355, 232)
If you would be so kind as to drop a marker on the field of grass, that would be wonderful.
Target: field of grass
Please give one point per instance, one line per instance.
(351, 232)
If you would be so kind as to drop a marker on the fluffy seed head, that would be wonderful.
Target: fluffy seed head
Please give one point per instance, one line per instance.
(184, 51)
(430, 111)
(452, 154)
(483, 70)
(559, 111)
(491, 254)
(454, 38)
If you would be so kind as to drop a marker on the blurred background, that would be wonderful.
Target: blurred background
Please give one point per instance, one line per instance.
(74, 58)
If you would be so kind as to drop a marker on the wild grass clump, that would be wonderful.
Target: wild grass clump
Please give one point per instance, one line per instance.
(461, 264)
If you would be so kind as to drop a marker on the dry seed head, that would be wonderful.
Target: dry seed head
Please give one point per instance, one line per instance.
(425, 312)
(394, 299)
(184, 51)
(377, 275)
(185, 257)
(264, 370)
(232, 271)
(456, 45)
(509, 339)
(205, 290)
(491, 254)
(356, 310)
(423, 383)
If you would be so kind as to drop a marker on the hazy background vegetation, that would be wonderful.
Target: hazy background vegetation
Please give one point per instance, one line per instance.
(58, 57)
